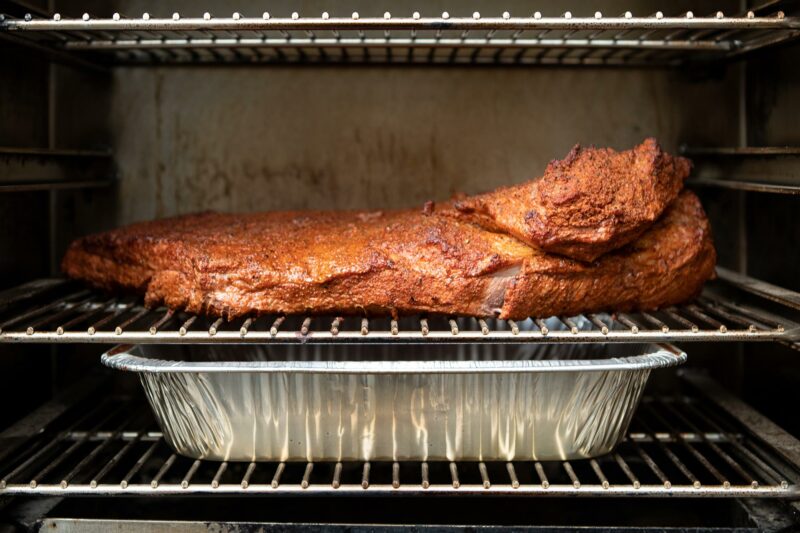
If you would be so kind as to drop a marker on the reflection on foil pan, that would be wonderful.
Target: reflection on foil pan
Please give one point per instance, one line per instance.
(334, 403)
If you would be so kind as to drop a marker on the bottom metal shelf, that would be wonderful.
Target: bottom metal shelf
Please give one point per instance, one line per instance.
(676, 446)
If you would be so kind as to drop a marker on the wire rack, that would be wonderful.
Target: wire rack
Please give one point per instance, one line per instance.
(676, 446)
(536, 38)
(87, 316)
(767, 169)
(26, 169)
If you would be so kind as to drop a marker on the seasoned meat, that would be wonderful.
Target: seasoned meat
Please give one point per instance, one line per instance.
(593, 201)
(435, 259)
(667, 265)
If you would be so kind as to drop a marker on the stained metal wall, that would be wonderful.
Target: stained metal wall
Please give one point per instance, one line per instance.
(248, 139)
(238, 139)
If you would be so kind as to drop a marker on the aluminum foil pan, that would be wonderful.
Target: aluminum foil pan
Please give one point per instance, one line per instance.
(335, 403)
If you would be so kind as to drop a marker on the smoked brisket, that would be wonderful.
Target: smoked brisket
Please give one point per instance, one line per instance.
(474, 256)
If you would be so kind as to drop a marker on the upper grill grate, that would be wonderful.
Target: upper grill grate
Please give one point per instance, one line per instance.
(81, 315)
(503, 39)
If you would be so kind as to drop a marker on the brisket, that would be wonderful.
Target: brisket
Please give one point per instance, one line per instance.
(436, 259)
(593, 201)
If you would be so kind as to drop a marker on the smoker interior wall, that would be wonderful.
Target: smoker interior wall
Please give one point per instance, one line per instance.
(773, 106)
(239, 139)
(46, 106)
(772, 238)
(251, 139)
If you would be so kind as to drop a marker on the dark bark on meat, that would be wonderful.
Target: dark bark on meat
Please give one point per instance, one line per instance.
(593, 201)
(451, 258)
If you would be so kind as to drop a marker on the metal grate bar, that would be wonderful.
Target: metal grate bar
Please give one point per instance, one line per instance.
(635, 483)
(118, 310)
(676, 316)
(599, 473)
(454, 476)
(337, 475)
(223, 466)
(545, 483)
(599, 323)
(751, 457)
(395, 475)
(697, 313)
(90, 310)
(215, 327)
(43, 451)
(246, 479)
(512, 475)
(623, 318)
(139, 464)
(187, 479)
(653, 466)
(365, 475)
(742, 185)
(673, 457)
(715, 309)
(246, 326)
(65, 302)
(425, 475)
(711, 317)
(114, 461)
(571, 473)
(721, 453)
(67, 310)
(760, 318)
(163, 470)
(88, 458)
(566, 22)
(153, 329)
(543, 329)
(186, 325)
(571, 326)
(693, 451)
(484, 475)
(119, 330)
(514, 327)
(307, 475)
(276, 478)
(166, 40)
(656, 322)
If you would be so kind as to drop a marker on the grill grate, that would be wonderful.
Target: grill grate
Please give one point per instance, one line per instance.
(79, 315)
(677, 446)
(597, 39)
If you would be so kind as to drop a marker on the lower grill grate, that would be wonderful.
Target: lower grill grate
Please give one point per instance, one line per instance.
(676, 446)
